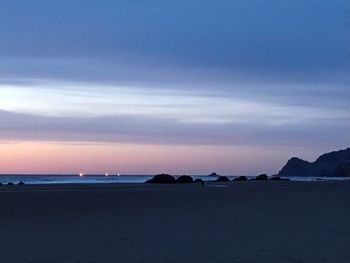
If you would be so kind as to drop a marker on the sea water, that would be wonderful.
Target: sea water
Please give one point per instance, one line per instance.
(71, 178)
(82, 179)
(93, 179)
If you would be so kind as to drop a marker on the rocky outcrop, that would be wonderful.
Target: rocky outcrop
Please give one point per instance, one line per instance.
(200, 181)
(277, 178)
(162, 179)
(222, 179)
(334, 156)
(295, 167)
(241, 178)
(262, 177)
(184, 179)
(342, 170)
(330, 164)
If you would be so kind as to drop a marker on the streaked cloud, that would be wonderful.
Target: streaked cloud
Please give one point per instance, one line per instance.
(86, 101)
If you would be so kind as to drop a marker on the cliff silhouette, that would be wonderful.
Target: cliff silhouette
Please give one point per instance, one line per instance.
(331, 164)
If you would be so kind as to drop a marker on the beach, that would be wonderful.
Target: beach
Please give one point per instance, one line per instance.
(216, 223)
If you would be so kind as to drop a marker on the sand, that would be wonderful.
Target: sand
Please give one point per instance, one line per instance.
(227, 222)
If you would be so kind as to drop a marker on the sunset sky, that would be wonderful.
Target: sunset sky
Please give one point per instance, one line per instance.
(141, 87)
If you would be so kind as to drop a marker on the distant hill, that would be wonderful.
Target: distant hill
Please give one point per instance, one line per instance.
(330, 164)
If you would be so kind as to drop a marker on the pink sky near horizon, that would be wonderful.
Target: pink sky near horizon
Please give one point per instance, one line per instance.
(61, 157)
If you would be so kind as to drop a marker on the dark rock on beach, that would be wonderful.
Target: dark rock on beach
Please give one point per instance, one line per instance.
(241, 178)
(198, 180)
(214, 175)
(162, 179)
(184, 179)
(10, 183)
(222, 179)
(277, 178)
(20, 183)
(262, 177)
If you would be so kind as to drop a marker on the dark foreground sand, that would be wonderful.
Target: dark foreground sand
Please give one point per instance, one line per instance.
(243, 222)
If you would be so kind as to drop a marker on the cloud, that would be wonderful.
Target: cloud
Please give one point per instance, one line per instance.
(146, 130)
(67, 99)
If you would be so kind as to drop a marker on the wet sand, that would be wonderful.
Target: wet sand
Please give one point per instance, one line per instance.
(226, 222)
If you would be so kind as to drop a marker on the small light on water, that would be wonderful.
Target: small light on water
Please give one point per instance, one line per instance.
(81, 174)
(118, 174)
(106, 174)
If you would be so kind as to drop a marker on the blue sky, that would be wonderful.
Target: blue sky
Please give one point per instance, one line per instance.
(240, 73)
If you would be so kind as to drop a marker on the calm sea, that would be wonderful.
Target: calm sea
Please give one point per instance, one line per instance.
(87, 179)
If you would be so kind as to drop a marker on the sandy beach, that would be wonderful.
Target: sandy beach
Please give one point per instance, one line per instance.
(215, 223)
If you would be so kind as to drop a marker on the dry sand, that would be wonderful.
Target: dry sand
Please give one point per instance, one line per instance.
(227, 222)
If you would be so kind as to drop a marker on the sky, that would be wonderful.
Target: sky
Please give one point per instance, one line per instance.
(184, 87)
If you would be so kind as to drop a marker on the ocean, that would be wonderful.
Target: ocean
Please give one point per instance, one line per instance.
(72, 178)
(93, 179)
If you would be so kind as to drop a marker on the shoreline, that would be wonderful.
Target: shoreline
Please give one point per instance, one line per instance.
(82, 185)
(116, 185)
(48, 180)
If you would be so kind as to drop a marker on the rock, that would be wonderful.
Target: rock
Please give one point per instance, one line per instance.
(277, 178)
(241, 178)
(214, 175)
(10, 183)
(262, 177)
(20, 183)
(1, 184)
(222, 179)
(184, 179)
(198, 180)
(296, 167)
(162, 179)
(330, 164)
(342, 171)
(334, 156)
